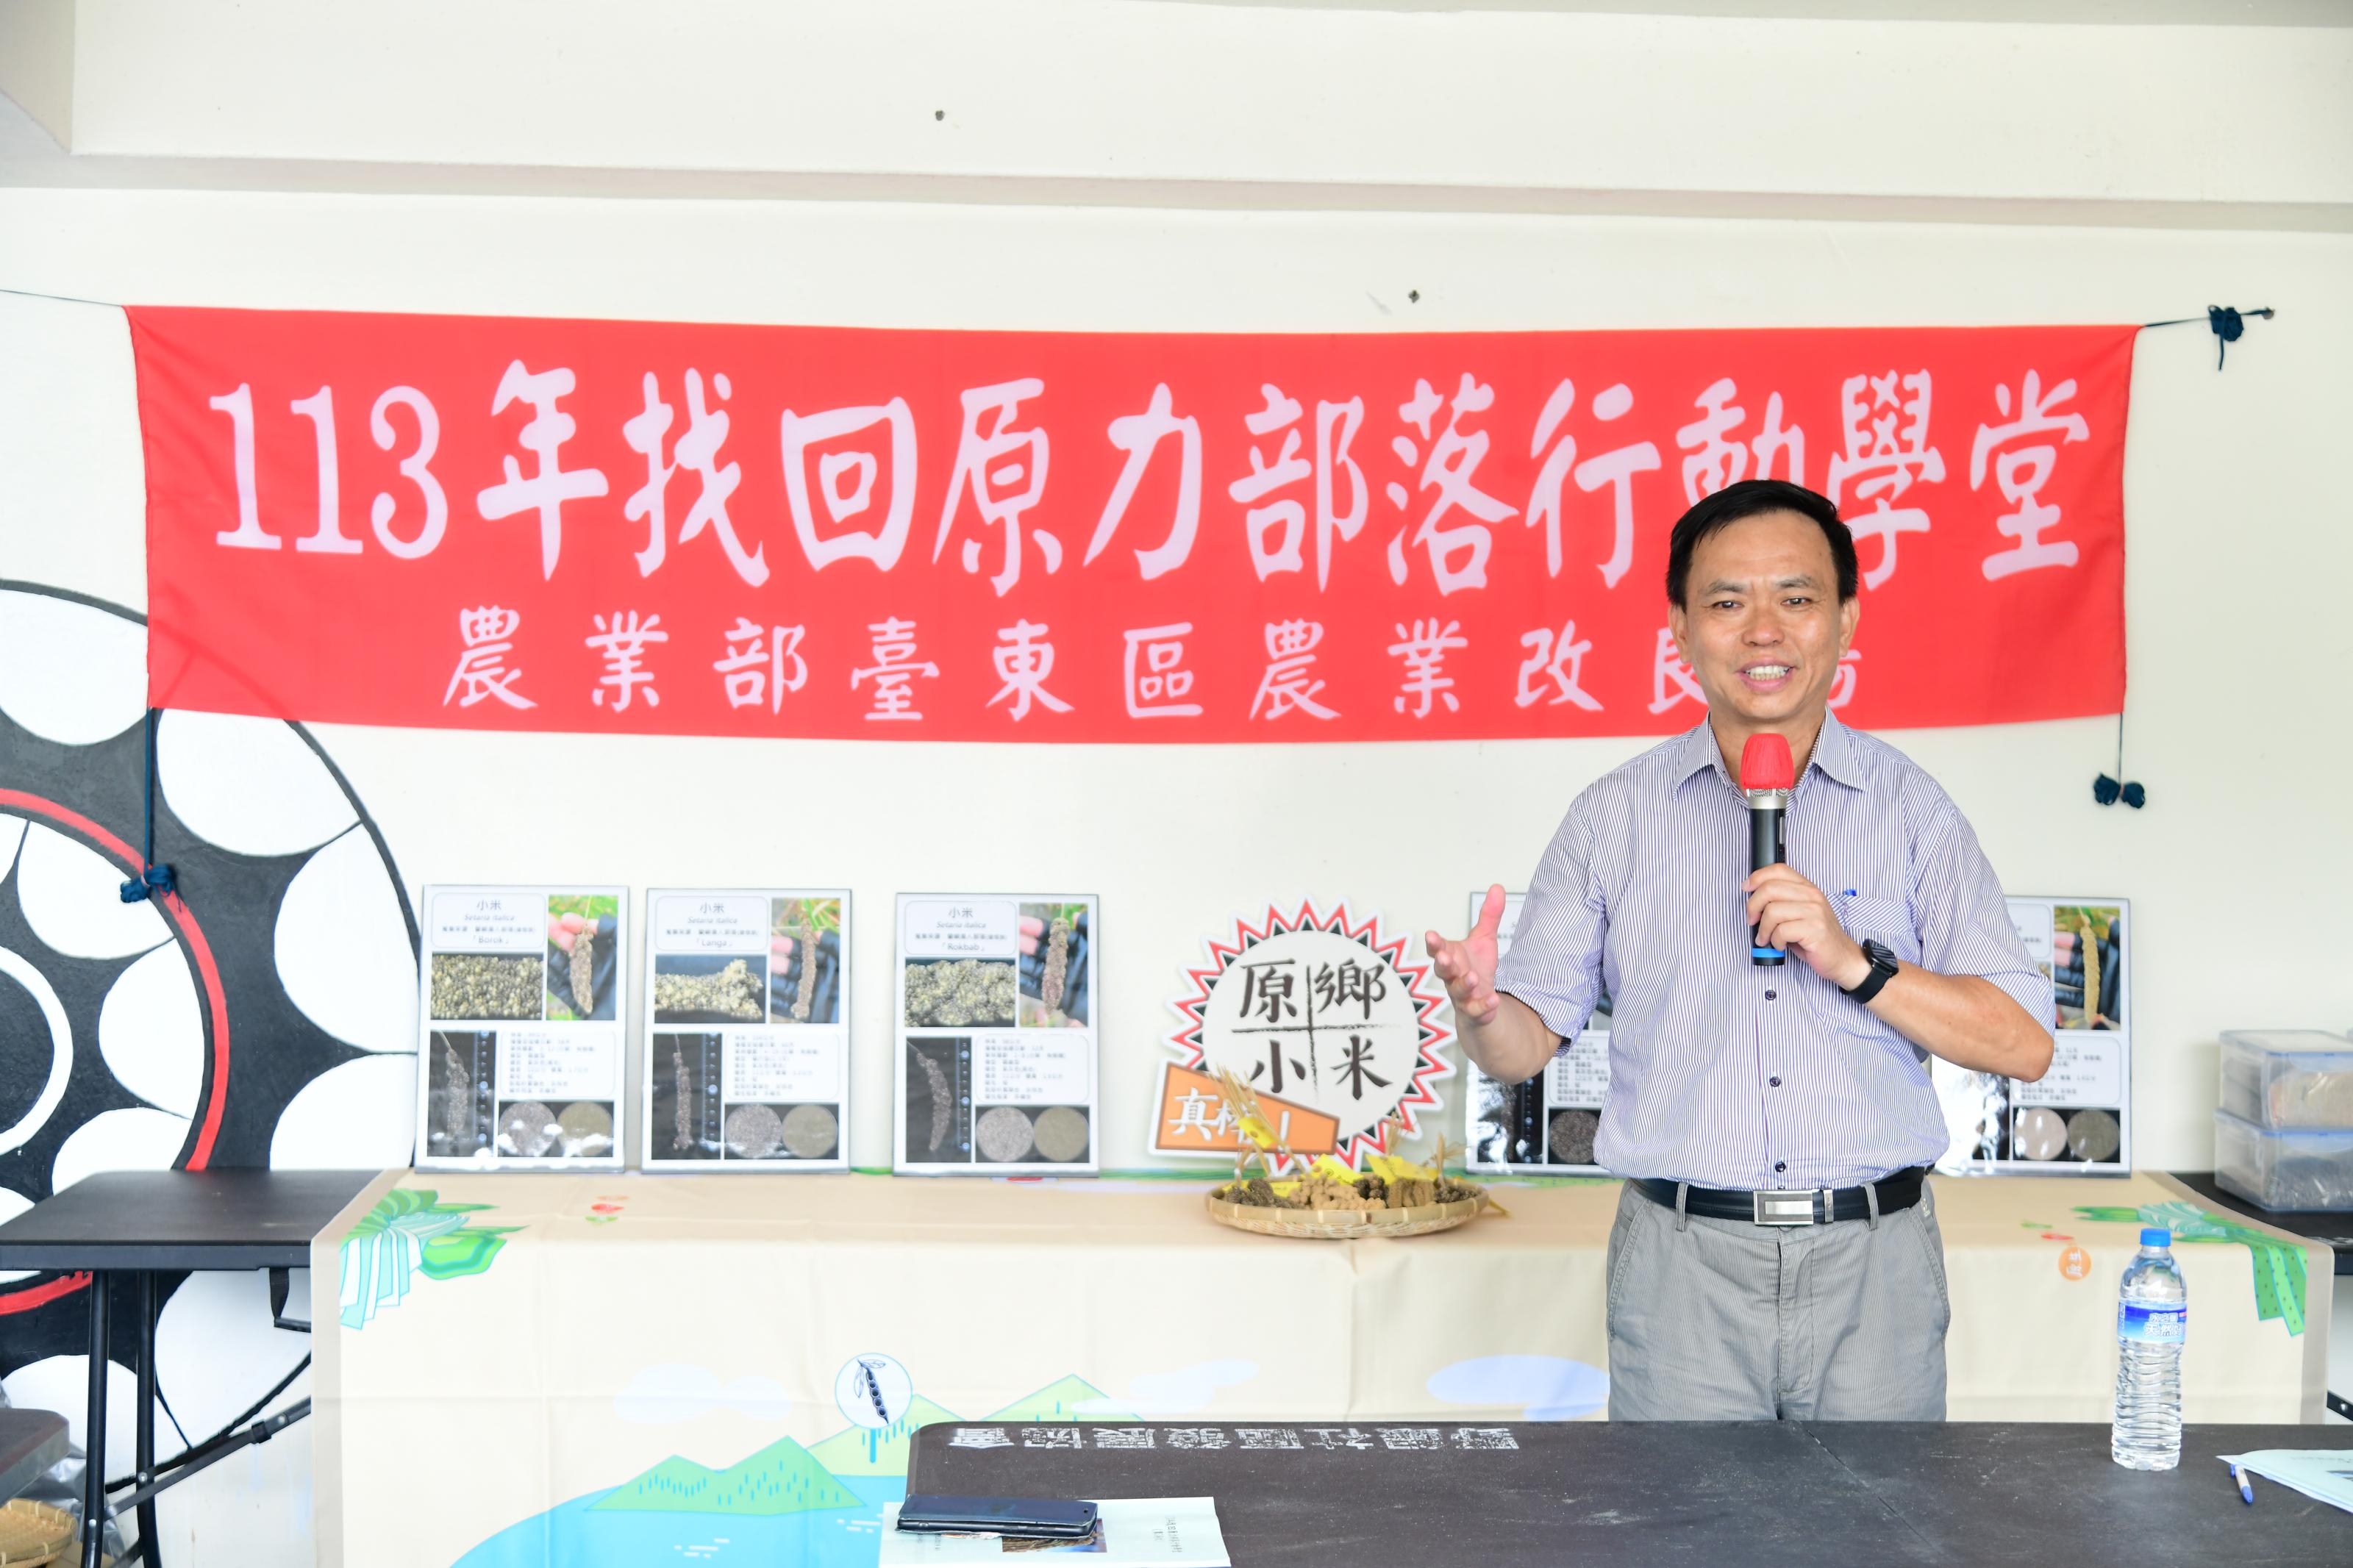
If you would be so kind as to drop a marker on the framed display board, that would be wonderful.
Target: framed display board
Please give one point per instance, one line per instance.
(1548, 1123)
(523, 994)
(747, 1041)
(997, 998)
(2077, 1121)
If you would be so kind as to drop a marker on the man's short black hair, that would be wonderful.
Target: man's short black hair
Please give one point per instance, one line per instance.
(1752, 497)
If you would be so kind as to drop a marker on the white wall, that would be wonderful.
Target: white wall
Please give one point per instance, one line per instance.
(1559, 97)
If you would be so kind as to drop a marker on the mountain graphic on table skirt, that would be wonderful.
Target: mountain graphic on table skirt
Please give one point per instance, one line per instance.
(783, 1477)
(1058, 1401)
(879, 1450)
(785, 1506)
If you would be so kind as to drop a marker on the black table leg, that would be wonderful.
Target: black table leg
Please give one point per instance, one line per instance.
(148, 1545)
(93, 1431)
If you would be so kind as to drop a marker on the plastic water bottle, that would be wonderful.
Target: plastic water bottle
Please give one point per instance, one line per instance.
(2152, 1321)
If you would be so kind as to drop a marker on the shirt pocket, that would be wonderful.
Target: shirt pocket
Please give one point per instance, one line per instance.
(1885, 921)
(1866, 918)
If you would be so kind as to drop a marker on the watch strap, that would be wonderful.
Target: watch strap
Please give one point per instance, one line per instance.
(1883, 970)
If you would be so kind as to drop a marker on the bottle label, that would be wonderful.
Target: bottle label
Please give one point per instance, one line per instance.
(2152, 1325)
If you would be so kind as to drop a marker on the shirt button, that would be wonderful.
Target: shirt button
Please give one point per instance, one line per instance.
(1769, 995)
(1779, 1166)
(1774, 1082)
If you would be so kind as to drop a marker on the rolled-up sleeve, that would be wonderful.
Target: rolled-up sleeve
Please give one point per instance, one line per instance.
(1964, 923)
(1555, 962)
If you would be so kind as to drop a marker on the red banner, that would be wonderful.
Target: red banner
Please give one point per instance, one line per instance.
(493, 523)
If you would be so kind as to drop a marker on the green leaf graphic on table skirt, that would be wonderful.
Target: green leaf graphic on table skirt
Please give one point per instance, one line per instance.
(2278, 1266)
(460, 1252)
(409, 1232)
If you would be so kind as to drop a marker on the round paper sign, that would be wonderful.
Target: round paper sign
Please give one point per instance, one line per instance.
(1320, 1012)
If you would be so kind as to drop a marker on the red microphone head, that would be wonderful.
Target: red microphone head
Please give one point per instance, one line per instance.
(1766, 763)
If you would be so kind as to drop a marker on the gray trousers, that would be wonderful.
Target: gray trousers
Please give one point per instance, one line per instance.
(1713, 1319)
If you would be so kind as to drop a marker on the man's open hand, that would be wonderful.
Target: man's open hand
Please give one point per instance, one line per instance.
(1792, 913)
(1468, 966)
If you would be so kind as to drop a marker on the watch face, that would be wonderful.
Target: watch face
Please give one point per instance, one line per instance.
(1879, 952)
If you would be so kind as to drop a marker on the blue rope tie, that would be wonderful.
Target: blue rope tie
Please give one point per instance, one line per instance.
(153, 879)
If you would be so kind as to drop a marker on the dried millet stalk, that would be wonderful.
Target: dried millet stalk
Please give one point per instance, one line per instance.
(1324, 1193)
(1058, 962)
(807, 995)
(683, 1081)
(2088, 944)
(937, 1082)
(1413, 1193)
(458, 1102)
(584, 969)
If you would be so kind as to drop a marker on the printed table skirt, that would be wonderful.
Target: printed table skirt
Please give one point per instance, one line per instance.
(532, 1369)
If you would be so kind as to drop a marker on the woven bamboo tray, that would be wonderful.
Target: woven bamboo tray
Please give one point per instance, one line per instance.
(32, 1533)
(1343, 1225)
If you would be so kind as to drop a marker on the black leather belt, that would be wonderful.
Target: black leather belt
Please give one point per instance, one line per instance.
(1791, 1205)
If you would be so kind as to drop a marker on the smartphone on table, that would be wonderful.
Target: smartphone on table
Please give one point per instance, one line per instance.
(1049, 1518)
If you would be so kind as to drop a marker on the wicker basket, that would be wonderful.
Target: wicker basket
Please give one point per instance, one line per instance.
(32, 1533)
(1327, 1225)
(1343, 1225)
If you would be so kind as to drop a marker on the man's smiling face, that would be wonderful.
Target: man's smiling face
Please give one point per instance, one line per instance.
(1761, 624)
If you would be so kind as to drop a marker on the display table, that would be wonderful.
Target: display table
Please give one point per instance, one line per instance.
(2331, 1228)
(525, 1370)
(141, 1223)
(1602, 1496)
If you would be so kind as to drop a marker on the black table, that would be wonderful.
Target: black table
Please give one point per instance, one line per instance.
(1622, 1494)
(2333, 1228)
(145, 1223)
(30, 1442)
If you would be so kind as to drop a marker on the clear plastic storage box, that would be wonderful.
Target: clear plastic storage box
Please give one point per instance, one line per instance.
(2284, 1168)
(2288, 1077)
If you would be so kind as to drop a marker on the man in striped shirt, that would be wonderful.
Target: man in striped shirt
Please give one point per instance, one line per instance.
(1775, 1253)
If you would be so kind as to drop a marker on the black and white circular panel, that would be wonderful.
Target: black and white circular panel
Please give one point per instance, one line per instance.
(264, 1016)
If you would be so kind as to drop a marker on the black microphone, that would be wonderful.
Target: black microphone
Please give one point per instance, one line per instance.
(1767, 776)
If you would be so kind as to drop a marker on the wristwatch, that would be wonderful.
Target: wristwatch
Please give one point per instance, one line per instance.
(1883, 970)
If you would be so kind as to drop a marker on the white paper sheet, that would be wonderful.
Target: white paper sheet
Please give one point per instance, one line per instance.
(2323, 1474)
(1136, 1532)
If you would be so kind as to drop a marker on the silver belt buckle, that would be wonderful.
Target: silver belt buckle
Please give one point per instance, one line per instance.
(1791, 1205)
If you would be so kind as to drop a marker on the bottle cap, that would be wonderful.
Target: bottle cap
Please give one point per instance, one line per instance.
(2156, 1235)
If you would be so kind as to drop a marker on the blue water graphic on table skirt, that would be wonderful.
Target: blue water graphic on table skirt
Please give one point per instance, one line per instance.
(578, 1534)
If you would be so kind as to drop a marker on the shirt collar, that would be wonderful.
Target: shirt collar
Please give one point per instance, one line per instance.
(1699, 753)
(1835, 753)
